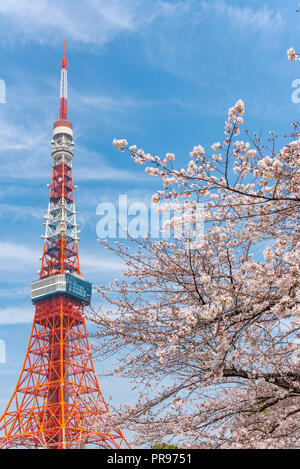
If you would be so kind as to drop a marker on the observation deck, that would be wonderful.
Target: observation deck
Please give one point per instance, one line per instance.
(62, 284)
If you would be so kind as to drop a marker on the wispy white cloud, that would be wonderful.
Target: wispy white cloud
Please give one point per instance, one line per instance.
(194, 11)
(123, 102)
(96, 263)
(7, 373)
(25, 143)
(15, 256)
(98, 21)
(15, 136)
(16, 315)
(88, 21)
(20, 212)
(14, 292)
(23, 156)
(106, 173)
(175, 42)
(101, 170)
(263, 18)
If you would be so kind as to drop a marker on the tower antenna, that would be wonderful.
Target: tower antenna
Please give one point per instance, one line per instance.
(63, 101)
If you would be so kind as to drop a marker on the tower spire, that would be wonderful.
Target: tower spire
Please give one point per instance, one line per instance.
(63, 101)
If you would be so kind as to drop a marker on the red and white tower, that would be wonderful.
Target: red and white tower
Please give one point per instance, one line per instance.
(57, 402)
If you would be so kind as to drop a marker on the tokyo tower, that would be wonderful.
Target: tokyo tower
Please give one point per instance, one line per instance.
(57, 403)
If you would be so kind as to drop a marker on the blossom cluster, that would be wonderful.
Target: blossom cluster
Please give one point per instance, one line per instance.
(292, 56)
(211, 334)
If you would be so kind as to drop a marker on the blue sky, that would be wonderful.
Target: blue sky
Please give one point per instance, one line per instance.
(161, 74)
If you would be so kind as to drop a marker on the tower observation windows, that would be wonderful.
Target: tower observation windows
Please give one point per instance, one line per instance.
(67, 284)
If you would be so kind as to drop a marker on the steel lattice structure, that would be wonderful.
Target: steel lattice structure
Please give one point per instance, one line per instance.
(57, 403)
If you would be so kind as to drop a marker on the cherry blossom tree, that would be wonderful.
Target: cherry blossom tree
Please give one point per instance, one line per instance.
(292, 55)
(209, 333)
